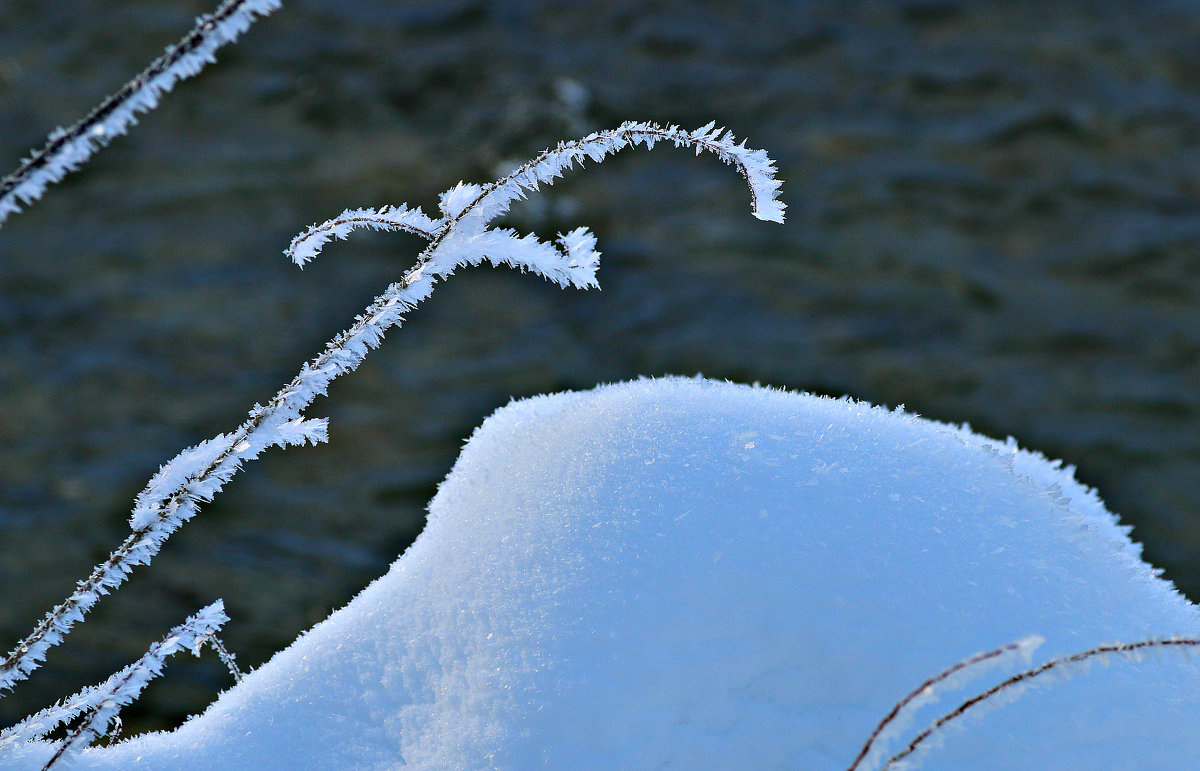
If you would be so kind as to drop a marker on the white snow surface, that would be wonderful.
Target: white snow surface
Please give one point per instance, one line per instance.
(685, 574)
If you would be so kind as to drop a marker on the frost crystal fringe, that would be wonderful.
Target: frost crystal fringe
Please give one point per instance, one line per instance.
(872, 752)
(490, 201)
(41, 723)
(308, 244)
(460, 237)
(104, 701)
(1015, 686)
(68, 149)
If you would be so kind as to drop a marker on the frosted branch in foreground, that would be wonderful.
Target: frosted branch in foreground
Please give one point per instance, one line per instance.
(102, 702)
(1012, 688)
(41, 723)
(458, 238)
(68, 149)
(957, 676)
(172, 497)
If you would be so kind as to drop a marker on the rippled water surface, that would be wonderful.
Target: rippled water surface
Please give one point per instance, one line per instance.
(994, 218)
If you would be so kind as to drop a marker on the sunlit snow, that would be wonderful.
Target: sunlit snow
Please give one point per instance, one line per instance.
(686, 574)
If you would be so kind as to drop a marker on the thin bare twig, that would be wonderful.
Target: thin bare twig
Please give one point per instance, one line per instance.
(927, 688)
(1124, 649)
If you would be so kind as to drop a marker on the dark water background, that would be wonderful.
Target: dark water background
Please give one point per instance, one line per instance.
(994, 217)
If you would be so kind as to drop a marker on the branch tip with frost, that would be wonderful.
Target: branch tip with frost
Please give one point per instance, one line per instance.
(306, 246)
(487, 202)
(226, 656)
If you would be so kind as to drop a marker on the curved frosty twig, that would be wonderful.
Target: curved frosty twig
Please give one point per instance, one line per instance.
(308, 244)
(492, 200)
(68, 149)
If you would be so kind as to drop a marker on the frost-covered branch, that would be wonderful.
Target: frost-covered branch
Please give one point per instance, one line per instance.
(41, 723)
(755, 166)
(68, 149)
(1015, 686)
(171, 498)
(872, 752)
(460, 237)
(100, 703)
(490, 201)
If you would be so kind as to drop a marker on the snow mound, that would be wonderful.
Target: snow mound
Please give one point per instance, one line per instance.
(685, 574)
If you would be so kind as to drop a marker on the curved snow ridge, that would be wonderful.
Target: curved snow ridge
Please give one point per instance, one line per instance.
(688, 574)
(1080, 506)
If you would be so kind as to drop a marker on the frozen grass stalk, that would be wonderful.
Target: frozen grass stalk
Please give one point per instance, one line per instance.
(460, 236)
(68, 149)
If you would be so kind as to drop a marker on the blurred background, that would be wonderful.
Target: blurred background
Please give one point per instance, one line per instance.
(994, 217)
